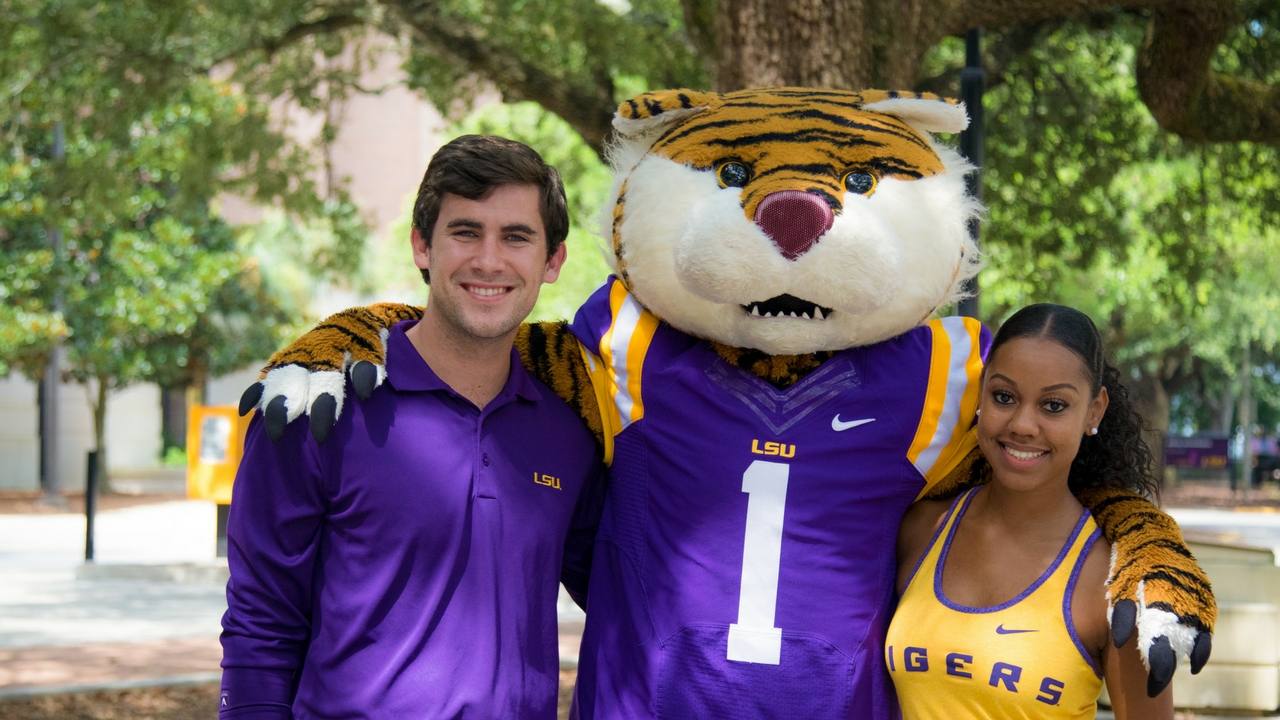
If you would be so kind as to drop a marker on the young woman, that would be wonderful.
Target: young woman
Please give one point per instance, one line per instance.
(1003, 610)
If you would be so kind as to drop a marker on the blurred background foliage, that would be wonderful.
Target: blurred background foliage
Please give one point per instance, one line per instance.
(170, 105)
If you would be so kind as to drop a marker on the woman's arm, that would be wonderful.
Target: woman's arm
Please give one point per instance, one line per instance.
(1127, 685)
(1122, 668)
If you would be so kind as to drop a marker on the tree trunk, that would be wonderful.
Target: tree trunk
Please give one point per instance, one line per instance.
(1223, 411)
(1151, 400)
(818, 43)
(100, 432)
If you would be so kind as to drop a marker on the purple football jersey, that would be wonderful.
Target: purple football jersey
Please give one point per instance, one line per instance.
(745, 561)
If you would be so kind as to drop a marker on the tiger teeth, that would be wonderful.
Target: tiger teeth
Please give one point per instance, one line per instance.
(817, 314)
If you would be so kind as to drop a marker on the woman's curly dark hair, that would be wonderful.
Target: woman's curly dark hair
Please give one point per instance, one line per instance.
(1117, 457)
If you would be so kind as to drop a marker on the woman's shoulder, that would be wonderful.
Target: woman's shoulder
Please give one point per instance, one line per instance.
(920, 523)
(923, 519)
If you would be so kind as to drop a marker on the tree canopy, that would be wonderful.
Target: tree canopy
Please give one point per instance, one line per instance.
(1130, 161)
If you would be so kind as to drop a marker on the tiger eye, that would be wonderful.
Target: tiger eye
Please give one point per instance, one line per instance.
(733, 174)
(862, 183)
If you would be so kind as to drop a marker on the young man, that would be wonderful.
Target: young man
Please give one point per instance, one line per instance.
(408, 567)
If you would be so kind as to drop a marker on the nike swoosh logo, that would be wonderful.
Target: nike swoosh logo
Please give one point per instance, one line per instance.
(839, 426)
(1001, 631)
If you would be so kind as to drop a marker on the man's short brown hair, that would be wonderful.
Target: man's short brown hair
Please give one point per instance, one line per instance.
(472, 166)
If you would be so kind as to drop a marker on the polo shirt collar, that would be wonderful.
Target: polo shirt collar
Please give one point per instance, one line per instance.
(408, 372)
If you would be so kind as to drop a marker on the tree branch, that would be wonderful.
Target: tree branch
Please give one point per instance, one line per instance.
(587, 105)
(1185, 95)
(1011, 44)
(297, 33)
(1001, 13)
(323, 26)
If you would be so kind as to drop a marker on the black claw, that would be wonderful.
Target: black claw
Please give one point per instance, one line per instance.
(276, 417)
(1124, 618)
(324, 413)
(1163, 662)
(1200, 652)
(249, 400)
(364, 376)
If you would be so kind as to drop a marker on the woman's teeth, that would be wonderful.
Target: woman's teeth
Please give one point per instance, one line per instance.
(1018, 454)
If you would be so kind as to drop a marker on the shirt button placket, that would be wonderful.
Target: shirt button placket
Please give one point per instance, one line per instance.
(487, 486)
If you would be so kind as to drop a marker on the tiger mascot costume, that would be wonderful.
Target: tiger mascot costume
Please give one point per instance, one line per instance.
(771, 395)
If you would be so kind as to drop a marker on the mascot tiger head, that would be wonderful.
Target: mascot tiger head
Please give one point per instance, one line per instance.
(790, 220)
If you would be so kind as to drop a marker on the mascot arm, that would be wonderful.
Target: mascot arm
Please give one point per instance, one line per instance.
(1155, 584)
(307, 376)
(551, 353)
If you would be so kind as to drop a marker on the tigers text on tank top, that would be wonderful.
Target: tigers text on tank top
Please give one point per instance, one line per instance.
(1019, 659)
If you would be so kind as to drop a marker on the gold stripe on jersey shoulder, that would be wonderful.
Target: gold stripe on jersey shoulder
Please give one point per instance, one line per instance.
(936, 393)
(955, 370)
(622, 350)
(963, 436)
(598, 374)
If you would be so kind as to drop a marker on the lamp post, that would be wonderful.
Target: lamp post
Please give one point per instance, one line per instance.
(973, 81)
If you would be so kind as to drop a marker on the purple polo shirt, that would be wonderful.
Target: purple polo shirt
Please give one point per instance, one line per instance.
(409, 566)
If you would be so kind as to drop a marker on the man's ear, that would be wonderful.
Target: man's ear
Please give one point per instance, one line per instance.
(555, 263)
(421, 255)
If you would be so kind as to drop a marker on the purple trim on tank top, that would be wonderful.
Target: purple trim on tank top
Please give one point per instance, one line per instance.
(934, 540)
(1066, 599)
(946, 547)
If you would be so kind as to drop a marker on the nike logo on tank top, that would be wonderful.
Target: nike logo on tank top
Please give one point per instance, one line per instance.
(1020, 659)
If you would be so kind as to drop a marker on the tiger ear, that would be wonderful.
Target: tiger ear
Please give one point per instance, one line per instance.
(922, 111)
(661, 108)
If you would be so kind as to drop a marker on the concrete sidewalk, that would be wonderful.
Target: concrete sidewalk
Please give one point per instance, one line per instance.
(59, 632)
(125, 621)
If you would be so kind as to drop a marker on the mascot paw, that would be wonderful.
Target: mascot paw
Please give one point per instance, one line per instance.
(287, 392)
(308, 376)
(1163, 637)
(1155, 587)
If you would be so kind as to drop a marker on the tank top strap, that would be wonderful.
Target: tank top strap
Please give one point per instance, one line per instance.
(929, 560)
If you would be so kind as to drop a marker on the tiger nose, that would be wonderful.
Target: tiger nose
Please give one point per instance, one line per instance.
(794, 220)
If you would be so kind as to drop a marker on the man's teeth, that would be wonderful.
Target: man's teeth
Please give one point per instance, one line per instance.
(487, 292)
(1024, 455)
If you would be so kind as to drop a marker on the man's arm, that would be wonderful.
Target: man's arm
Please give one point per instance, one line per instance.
(277, 510)
(580, 542)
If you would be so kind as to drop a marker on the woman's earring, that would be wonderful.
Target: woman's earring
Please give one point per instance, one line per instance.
(1093, 431)
(978, 411)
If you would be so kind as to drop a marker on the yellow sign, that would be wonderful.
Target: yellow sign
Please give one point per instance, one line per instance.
(215, 443)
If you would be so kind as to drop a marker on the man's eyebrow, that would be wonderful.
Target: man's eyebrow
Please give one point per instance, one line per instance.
(519, 228)
(465, 222)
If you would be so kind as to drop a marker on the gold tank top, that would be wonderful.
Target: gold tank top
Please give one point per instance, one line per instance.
(1020, 659)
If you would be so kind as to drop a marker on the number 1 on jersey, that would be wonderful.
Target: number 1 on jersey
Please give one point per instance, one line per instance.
(754, 638)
